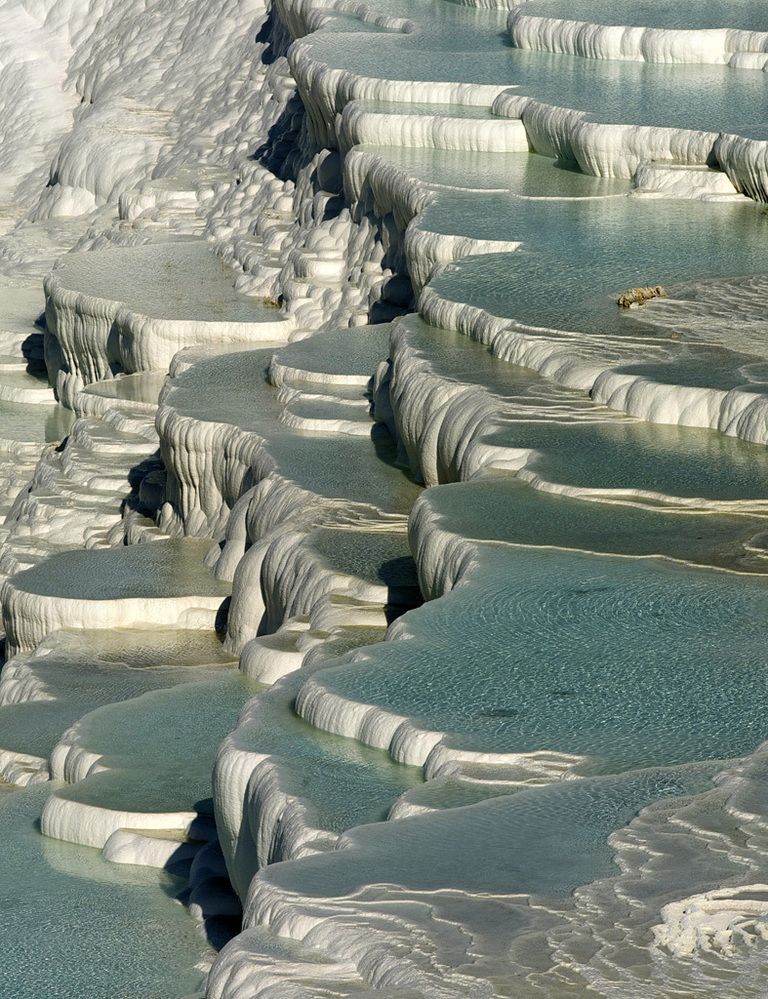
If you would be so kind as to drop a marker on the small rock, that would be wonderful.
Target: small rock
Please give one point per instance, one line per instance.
(636, 296)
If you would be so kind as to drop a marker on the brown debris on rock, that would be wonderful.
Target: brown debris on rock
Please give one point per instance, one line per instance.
(636, 296)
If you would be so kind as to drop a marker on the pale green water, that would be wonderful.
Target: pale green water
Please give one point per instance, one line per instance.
(160, 748)
(633, 663)
(331, 411)
(233, 389)
(746, 14)
(579, 444)
(143, 387)
(527, 174)
(35, 424)
(159, 569)
(88, 670)
(452, 43)
(379, 557)
(457, 358)
(345, 782)
(75, 926)
(695, 365)
(354, 351)
(577, 259)
(633, 455)
(543, 842)
(176, 280)
(508, 510)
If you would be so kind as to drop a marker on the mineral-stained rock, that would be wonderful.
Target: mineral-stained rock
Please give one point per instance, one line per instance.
(637, 296)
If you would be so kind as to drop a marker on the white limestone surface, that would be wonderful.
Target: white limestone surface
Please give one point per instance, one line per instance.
(145, 585)
(637, 43)
(189, 123)
(132, 309)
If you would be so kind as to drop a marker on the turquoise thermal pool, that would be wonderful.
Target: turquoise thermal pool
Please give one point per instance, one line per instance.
(594, 657)
(128, 913)
(383, 499)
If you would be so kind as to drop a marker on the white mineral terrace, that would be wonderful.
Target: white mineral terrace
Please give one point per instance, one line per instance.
(383, 499)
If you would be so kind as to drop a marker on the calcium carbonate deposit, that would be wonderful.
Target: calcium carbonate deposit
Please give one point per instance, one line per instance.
(383, 499)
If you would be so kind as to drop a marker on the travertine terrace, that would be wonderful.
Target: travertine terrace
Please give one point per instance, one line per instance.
(384, 497)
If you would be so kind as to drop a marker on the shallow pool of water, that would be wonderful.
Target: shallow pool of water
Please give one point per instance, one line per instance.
(160, 748)
(160, 569)
(578, 257)
(75, 926)
(630, 662)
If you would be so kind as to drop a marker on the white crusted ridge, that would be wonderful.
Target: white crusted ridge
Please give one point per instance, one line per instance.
(716, 46)
(40, 601)
(88, 335)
